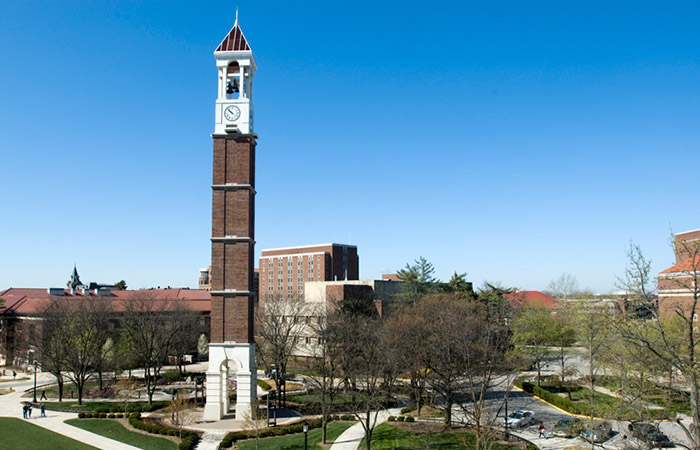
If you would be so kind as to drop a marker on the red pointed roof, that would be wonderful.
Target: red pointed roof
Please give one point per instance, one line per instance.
(234, 41)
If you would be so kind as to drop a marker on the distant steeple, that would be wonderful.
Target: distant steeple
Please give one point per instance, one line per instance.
(74, 282)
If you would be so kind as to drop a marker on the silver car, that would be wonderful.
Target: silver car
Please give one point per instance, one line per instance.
(520, 418)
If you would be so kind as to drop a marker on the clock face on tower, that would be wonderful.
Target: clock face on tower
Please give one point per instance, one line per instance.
(232, 113)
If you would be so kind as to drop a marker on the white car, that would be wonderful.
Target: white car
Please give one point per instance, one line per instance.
(520, 418)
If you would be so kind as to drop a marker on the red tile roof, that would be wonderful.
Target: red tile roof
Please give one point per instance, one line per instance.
(686, 266)
(34, 300)
(234, 41)
(535, 299)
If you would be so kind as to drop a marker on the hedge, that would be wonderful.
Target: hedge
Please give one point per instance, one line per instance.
(564, 403)
(268, 432)
(189, 438)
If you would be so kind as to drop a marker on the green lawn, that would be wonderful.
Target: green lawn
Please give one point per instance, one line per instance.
(387, 437)
(18, 434)
(115, 430)
(296, 441)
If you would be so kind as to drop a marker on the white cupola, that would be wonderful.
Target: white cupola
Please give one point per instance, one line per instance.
(236, 66)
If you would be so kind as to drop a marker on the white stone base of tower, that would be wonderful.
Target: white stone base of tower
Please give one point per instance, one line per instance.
(226, 361)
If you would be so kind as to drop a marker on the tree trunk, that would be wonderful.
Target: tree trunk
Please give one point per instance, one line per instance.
(59, 380)
(448, 408)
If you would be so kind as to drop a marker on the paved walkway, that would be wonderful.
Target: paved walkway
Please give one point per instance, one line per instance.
(351, 438)
(11, 406)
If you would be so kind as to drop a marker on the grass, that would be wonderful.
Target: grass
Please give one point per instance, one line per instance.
(387, 437)
(21, 435)
(296, 441)
(115, 430)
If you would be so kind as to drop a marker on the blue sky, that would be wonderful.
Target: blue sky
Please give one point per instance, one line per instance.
(513, 141)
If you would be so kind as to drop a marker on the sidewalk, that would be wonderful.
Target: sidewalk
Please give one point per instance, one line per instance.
(351, 438)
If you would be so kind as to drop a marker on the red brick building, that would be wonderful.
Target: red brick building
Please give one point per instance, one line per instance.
(21, 318)
(284, 271)
(679, 285)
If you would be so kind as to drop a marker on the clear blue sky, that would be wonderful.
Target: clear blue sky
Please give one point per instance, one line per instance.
(513, 141)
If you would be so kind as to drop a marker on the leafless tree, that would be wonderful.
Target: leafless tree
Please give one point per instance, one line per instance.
(671, 331)
(362, 361)
(563, 287)
(281, 326)
(151, 325)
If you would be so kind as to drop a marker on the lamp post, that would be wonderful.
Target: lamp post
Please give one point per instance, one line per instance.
(506, 433)
(35, 366)
(305, 429)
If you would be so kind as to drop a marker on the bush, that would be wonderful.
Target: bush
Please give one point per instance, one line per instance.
(409, 409)
(188, 443)
(532, 447)
(347, 417)
(391, 419)
(235, 436)
(401, 418)
(264, 385)
(410, 419)
(81, 415)
(171, 376)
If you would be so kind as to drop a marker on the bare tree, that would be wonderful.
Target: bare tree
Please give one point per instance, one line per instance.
(82, 334)
(281, 325)
(52, 355)
(323, 363)
(563, 287)
(151, 325)
(671, 331)
(362, 362)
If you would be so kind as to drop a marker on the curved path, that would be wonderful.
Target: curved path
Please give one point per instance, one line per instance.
(351, 438)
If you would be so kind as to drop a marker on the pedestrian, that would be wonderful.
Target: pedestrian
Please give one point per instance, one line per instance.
(29, 411)
(542, 431)
(43, 410)
(43, 395)
(24, 411)
(14, 374)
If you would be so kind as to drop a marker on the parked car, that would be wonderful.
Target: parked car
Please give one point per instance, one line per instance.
(649, 433)
(568, 427)
(520, 418)
(599, 432)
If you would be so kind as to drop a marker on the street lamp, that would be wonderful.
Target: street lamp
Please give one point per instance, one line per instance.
(35, 366)
(305, 429)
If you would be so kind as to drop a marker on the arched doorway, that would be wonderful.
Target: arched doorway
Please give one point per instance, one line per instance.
(229, 365)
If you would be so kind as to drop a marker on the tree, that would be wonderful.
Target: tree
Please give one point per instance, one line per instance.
(417, 279)
(120, 285)
(324, 364)
(82, 333)
(670, 333)
(458, 284)
(563, 287)
(281, 325)
(363, 365)
(50, 346)
(534, 332)
(151, 325)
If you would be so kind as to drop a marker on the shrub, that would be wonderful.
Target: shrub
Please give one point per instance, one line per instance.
(401, 418)
(409, 409)
(347, 417)
(264, 385)
(532, 447)
(391, 419)
(81, 415)
(188, 443)
(410, 419)
(171, 376)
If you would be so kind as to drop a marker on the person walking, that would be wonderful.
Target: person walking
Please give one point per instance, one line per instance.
(43, 410)
(43, 395)
(24, 411)
(29, 411)
(542, 431)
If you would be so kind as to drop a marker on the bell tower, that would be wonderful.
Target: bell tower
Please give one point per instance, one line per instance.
(232, 348)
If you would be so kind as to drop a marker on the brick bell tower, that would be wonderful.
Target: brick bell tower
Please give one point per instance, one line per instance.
(232, 348)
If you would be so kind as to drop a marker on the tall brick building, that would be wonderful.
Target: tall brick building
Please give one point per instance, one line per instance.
(284, 271)
(232, 348)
